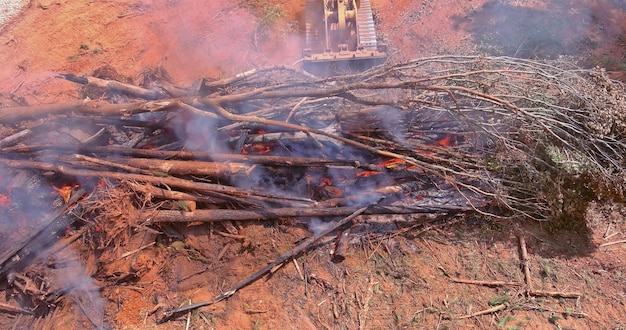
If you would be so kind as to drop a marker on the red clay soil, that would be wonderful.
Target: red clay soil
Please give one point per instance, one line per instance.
(387, 280)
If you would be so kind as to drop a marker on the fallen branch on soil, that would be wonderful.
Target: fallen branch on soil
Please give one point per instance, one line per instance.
(485, 283)
(530, 290)
(215, 215)
(613, 243)
(493, 309)
(176, 312)
(525, 264)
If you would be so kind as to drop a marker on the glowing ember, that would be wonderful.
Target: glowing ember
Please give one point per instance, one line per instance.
(5, 201)
(256, 149)
(101, 183)
(326, 181)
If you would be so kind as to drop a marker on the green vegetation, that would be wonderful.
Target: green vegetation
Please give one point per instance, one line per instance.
(269, 14)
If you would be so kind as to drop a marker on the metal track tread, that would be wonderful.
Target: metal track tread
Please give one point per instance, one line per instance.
(365, 25)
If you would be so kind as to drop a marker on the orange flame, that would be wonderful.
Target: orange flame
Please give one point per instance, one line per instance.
(365, 174)
(65, 191)
(446, 141)
(393, 162)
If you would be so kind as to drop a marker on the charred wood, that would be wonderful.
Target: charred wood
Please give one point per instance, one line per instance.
(27, 248)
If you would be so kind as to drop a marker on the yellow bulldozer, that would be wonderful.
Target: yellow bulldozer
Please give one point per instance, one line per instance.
(340, 37)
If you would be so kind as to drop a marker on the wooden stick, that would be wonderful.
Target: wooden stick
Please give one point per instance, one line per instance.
(485, 283)
(196, 155)
(525, 264)
(613, 243)
(175, 312)
(124, 255)
(16, 138)
(150, 166)
(206, 188)
(112, 85)
(12, 115)
(530, 291)
(184, 167)
(214, 215)
(558, 294)
(483, 312)
(161, 193)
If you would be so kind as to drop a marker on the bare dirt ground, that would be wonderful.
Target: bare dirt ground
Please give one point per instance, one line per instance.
(390, 279)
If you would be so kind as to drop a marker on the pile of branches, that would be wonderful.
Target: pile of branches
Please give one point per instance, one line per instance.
(503, 137)
(506, 136)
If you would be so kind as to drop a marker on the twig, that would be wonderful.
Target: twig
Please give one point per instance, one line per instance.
(175, 312)
(188, 323)
(229, 235)
(613, 234)
(530, 291)
(213, 215)
(222, 251)
(485, 283)
(557, 294)
(15, 138)
(613, 243)
(295, 264)
(293, 110)
(493, 309)
(525, 264)
(135, 251)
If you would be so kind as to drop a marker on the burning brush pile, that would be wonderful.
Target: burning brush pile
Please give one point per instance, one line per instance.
(502, 137)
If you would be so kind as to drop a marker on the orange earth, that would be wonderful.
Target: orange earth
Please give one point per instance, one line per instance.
(389, 280)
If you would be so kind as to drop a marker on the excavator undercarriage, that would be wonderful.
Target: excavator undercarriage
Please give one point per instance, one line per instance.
(340, 37)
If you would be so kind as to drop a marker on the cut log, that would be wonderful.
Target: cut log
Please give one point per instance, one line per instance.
(113, 85)
(12, 115)
(183, 167)
(269, 214)
(196, 155)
